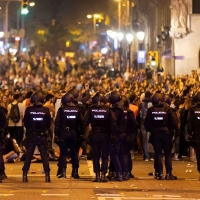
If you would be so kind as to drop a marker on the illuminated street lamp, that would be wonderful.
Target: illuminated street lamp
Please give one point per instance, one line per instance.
(1, 34)
(140, 36)
(32, 4)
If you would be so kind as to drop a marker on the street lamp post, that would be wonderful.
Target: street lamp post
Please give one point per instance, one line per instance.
(140, 37)
(113, 36)
(120, 37)
(129, 38)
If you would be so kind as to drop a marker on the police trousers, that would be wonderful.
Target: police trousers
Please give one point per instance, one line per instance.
(2, 167)
(161, 142)
(119, 154)
(71, 144)
(41, 142)
(100, 144)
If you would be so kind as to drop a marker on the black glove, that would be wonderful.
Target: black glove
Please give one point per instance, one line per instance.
(56, 140)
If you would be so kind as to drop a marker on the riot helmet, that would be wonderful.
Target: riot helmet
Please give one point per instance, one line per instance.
(75, 94)
(98, 97)
(125, 100)
(114, 97)
(157, 98)
(67, 98)
(37, 97)
(197, 97)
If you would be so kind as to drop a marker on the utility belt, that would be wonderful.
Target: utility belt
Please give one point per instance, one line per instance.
(38, 133)
(100, 131)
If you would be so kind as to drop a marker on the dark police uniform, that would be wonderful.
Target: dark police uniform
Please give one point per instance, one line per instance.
(37, 121)
(67, 119)
(159, 121)
(3, 126)
(120, 149)
(193, 121)
(102, 120)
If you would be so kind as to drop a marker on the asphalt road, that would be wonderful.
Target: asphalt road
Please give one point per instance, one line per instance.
(141, 187)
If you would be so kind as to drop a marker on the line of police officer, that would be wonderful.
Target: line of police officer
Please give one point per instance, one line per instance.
(111, 127)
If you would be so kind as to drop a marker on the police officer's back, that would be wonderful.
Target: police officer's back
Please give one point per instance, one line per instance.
(37, 121)
(102, 121)
(67, 119)
(193, 127)
(159, 121)
(124, 118)
(3, 127)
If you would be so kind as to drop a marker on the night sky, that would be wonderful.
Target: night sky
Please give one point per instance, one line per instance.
(61, 10)
(71, 9)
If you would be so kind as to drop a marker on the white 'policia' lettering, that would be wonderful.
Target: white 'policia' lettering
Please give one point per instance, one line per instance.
(70, 110)
(37, 113)
(158, 113)
(98, 110)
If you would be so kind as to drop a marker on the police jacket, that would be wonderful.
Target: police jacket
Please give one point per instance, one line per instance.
(193, 120)
(37, 119)
(125, 118)
(3, 123)
(160, 118)
(101, 118)
(67, 120)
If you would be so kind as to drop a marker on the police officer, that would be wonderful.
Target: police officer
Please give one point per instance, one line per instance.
(82, 109)
(102, 121)
(3, 126)
(67, 119)
(159, 121)
(193, 124)
(119, 149)
(37, 121)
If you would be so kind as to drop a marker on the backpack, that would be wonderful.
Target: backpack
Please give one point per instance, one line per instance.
(14, 113)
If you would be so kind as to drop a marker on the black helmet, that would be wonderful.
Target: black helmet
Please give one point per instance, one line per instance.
(98, 97)
(125, 100)
(167, 99)
(75, 93)
(157, 98)
(37, 97)
(197, 97)
(67, 98)
(114, 97)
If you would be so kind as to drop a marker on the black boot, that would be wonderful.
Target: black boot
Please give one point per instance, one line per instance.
(97, 178)
(159, 176)
(47, 177)
(4, 176)
(125, 176)
(63, 173)
(118, 177)
(24, 177)
(131, 175)
(110, 175)
(75, 173)
(103, 177)
(170, 176)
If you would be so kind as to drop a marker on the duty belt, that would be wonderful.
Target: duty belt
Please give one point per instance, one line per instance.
(38, 134)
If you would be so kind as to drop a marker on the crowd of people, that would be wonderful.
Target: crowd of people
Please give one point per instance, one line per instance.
(22, 75)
